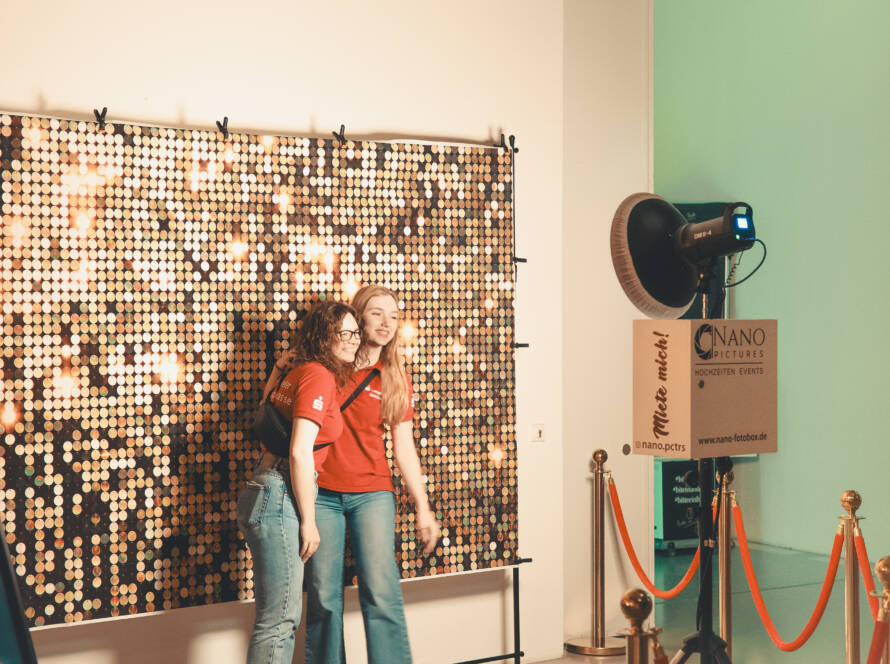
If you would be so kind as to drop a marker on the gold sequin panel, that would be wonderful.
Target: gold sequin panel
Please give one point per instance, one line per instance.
(149, 277)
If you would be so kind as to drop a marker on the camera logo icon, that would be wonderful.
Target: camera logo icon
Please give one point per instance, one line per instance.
(704, 341)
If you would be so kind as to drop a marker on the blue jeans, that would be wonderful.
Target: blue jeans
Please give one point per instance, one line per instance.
(270, 522)
(370, 520)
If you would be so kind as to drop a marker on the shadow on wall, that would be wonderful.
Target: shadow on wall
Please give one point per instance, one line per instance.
(494, 136)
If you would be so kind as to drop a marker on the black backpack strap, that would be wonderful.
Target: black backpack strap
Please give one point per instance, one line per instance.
(361, 386)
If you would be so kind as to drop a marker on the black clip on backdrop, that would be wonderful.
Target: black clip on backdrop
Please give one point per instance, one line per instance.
(517, 650)
(340, 136)
(223, 126)
(503, 143)
(100, 117)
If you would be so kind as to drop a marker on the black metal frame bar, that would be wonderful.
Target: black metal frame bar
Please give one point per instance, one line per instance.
(517, 651)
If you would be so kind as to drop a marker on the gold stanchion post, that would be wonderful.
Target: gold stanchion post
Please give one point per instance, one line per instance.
(597, 643)
(636, 605)
(882, 571)
(724, 542)
(851, 501)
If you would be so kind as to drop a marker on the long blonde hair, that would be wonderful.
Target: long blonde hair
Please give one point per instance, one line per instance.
(394, 398)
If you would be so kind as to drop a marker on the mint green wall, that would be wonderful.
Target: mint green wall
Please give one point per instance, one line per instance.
(786, 105)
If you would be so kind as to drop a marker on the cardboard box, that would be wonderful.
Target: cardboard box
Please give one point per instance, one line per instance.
(704, 388)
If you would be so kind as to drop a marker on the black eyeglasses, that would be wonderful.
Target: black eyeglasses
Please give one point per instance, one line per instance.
(349, 335)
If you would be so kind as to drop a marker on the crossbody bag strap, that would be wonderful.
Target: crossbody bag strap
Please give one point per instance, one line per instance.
(352, 397)
(361, 386)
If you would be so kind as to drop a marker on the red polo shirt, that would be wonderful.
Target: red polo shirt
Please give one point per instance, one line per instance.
(310, 391)
(357, 461)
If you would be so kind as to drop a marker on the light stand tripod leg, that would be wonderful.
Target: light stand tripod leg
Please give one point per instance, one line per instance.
(721, 657)
(683, 654)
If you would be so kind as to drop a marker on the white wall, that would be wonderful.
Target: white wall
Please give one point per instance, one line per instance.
(607, 156)
(464, 70)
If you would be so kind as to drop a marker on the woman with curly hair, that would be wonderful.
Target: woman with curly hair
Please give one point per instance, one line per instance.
(276, 508)
(356, 495)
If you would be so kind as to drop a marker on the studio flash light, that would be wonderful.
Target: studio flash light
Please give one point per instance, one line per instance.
(661, 259)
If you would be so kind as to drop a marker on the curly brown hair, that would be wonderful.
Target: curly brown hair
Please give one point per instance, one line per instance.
(318, 333)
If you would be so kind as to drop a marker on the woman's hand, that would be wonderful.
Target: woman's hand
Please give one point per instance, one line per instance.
(283, 366)
(405, 455)
(287, 361)
(427, 529)
(309, 540)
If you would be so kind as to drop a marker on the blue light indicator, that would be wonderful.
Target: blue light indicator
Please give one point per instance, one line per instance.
(741, 223)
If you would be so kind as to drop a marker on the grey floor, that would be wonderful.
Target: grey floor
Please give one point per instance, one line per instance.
(790, 582)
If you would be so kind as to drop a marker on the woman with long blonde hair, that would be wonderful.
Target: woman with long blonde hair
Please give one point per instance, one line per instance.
(356, 495)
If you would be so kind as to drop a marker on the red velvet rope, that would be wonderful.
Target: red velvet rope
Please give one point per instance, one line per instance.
(629, 547)
(810, 627)
(867, 578)
(878, 639)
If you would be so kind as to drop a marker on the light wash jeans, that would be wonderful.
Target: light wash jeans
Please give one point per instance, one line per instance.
(270, 522)
(370, 520)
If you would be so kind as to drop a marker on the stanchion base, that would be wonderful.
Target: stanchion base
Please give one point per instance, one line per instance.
(584, 646)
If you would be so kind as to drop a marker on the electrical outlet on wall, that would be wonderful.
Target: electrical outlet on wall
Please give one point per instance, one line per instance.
(537, 433)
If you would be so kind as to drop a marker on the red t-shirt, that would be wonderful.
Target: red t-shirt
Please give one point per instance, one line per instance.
(357, 461)
(310, 391)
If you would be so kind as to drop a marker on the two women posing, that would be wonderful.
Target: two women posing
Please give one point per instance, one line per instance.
(346, 358)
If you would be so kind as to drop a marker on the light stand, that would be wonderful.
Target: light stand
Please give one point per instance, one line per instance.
(711, 648)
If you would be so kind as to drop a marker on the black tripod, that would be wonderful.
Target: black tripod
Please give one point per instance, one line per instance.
(710, 646)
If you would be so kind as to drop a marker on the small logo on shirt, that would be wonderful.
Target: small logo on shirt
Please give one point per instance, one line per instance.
(318, 404)
(284, 395)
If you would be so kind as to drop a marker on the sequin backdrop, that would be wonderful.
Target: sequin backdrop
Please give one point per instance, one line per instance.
(149, 277)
